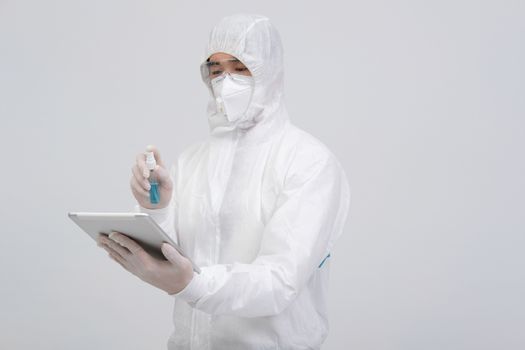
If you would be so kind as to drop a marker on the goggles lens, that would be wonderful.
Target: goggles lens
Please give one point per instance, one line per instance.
(214, 69)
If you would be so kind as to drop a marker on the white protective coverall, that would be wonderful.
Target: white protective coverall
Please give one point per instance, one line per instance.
(258, 206)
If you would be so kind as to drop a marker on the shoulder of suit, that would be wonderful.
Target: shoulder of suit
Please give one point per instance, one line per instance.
(306, 147)
(192, 151)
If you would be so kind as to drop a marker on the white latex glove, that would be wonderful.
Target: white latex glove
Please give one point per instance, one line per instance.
(171, 276)
(140, 185)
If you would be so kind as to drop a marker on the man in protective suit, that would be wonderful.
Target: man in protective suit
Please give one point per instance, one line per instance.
(257, 206)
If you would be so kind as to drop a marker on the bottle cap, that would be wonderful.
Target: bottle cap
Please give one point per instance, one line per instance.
(150, 161)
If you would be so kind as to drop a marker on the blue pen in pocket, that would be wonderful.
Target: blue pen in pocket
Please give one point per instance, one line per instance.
(151, 164)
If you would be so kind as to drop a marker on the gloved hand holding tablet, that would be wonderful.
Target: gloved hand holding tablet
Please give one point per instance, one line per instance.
(140, 227)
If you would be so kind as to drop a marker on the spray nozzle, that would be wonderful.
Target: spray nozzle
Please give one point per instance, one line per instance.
(150, 161)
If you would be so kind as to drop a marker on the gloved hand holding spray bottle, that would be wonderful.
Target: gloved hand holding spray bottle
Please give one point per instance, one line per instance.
(151, 183)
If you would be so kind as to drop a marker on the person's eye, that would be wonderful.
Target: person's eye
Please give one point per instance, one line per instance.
(241, 69)
(216, 72)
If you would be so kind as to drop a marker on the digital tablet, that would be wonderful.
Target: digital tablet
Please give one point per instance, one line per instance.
(138, 226)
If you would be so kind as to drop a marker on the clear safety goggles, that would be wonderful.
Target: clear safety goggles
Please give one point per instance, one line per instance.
(213, 69)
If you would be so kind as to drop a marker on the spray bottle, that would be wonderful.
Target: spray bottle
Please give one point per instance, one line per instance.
(154, 196)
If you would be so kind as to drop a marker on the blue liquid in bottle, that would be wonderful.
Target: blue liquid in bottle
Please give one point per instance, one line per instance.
(154, 196)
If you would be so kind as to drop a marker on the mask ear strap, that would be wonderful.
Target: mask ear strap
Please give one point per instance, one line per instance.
(220, 105)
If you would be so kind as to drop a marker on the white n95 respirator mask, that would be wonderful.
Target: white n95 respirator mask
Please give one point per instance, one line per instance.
(232, 93)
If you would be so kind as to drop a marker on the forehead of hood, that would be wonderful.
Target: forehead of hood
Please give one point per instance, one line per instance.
(255, 42)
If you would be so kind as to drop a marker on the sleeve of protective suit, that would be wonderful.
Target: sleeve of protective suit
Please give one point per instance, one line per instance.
(165, 217)
(311, 211)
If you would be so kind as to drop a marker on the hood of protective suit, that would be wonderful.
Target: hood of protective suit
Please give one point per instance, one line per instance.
(255, 42)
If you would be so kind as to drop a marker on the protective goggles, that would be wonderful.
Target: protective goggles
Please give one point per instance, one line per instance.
(214, 69)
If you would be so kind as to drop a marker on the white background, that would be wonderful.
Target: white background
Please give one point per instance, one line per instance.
(423, 102)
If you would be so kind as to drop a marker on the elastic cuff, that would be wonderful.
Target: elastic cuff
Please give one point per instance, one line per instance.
(195, 289)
